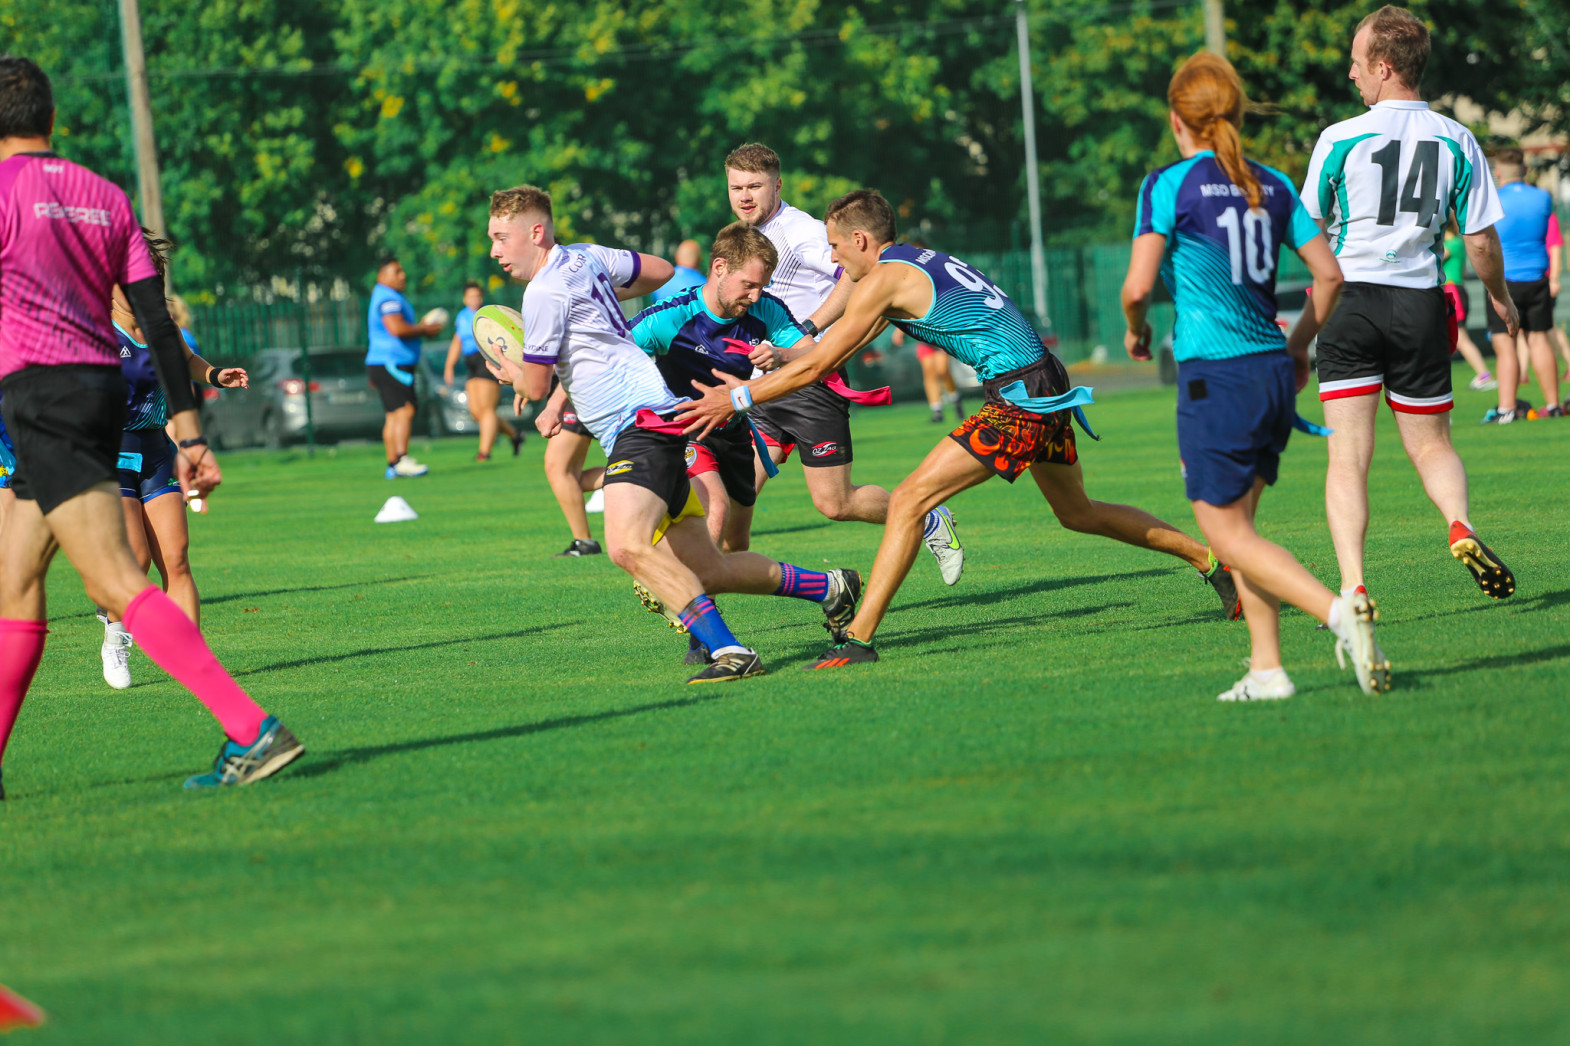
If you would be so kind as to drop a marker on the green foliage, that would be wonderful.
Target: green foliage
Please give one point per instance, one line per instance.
(305, 139)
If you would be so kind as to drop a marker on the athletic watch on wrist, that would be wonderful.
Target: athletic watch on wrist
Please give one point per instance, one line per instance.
(810, 327)
(199, 441)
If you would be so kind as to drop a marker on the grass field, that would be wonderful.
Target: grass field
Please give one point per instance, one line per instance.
(1031, 822)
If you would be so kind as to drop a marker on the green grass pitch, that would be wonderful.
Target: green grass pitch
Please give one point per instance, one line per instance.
(1030, 823)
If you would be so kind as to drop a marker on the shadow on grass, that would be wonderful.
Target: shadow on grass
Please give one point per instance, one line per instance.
(1027, 588)
(821, 524)
(305, 662)
(331, 761)
(208, 601)
(1515, 659)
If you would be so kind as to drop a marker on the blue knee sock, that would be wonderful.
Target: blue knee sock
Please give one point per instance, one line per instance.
(803, 584)
(703, 620)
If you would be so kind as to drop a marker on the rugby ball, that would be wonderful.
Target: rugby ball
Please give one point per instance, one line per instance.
(499, 332)
(437, 316)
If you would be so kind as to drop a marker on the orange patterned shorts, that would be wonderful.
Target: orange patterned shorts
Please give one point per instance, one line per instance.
(1008, 440)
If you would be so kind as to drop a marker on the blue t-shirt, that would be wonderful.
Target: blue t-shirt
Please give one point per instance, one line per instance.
(386, 350)
(1523, 231)
(145, 406)
(7, 458)
(969, 318)
(1220, 263)
(687, 341)
(465, 325)
(685, 279)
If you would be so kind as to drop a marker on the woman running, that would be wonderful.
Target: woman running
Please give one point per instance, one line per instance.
(1212, 225)
(154, 521)
(482, 391)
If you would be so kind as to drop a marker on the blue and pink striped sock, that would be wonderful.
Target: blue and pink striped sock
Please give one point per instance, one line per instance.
(803, 584)
(703, 620)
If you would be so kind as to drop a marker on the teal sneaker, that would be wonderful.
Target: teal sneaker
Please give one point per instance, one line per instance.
(274, 748)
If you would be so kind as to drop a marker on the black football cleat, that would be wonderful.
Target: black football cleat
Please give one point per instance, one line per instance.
(850, 652)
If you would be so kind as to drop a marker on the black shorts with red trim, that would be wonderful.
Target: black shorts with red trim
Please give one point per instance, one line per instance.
(1397, 338)
(652, 460)
(1007, 439)
(816, 420)
(728, 453)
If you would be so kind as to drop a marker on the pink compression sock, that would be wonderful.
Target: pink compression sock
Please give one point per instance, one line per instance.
(167, 636)
(21, 648)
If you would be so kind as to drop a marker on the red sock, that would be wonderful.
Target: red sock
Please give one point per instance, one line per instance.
(1459, 531)
(167, 636)
(21, 648)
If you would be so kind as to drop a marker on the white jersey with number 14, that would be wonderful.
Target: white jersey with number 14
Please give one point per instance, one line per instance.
(1385, 184)
(573, 321)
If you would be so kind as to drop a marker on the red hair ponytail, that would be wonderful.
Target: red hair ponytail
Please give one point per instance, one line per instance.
(1208, 97)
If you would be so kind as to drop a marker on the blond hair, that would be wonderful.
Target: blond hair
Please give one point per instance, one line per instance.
(739, 243)
(521, 199)
(755, 158)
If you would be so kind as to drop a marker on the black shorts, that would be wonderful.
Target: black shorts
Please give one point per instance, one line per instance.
(728, 453)
(570, 422)
(655, 461)
(1398, 337)
(65, 423)
(816, 420)
(1008, 439)
(146, 465)
(477, 369)
(395, 394)
(1532, 301)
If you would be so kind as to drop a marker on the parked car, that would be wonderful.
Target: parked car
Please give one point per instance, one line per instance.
(1291, 300)
(445, 409)
(272, 412)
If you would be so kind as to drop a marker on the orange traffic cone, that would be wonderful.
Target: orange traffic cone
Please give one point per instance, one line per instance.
(17, 1012)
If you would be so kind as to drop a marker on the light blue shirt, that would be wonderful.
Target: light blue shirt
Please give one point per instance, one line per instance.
(685, 279)
(385, 349)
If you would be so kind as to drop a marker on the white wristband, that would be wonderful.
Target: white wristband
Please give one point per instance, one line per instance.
(741, 399)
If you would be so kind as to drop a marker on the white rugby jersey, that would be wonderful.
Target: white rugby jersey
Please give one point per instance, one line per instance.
(1386, 182)
(806, 272)
(572, 321)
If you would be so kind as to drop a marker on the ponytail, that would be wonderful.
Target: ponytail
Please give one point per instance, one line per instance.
(1208, 97)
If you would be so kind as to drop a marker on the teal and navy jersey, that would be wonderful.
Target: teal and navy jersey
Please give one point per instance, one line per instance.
(969, 318)
(145, 406)
(687, 341)
(1221, 257)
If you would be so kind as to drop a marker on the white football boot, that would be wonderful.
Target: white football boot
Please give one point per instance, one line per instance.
(943, 542)
(408, 467)
(1355, 639)
(1249, 688)
(116, 655)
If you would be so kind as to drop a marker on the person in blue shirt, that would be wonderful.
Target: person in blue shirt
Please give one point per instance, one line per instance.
(1213, 225)
(481, 389)
(689, 271)
(1523, 237)
(391, 360)
(7, 470)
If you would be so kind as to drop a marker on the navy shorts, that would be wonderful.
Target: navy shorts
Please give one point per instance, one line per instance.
(1234, 418)
(146, 465)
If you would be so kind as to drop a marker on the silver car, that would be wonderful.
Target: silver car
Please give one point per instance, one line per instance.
(272, 412)
(445, 408)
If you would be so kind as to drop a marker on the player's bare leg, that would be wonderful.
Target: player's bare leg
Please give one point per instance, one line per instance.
(565, 454)
(738, 529)
(716, 504)
(396, 429)
(837, 498)
(947, 470)
(1507, 368)
(1426, 438)
(1544, 365)
(1064, 489)
(632, 515)
(1351, 449)
(483, 397)
(169, 540)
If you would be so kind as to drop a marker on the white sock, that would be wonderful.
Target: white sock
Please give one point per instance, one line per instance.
(114, 626)
(729, 650)
(1269, 675)
(1334, 621)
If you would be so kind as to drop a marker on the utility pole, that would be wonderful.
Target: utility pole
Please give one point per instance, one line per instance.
(142, 119)
(1027, 101)
(1215, 28)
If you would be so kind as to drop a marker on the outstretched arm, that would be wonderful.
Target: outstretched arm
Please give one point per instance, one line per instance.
(653, 273)
(1143, 266)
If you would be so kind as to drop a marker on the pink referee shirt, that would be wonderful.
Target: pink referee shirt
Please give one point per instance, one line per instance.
(1554, 239)
(67, 237)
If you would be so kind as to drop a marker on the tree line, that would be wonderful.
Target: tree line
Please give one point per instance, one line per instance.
(300, 141)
